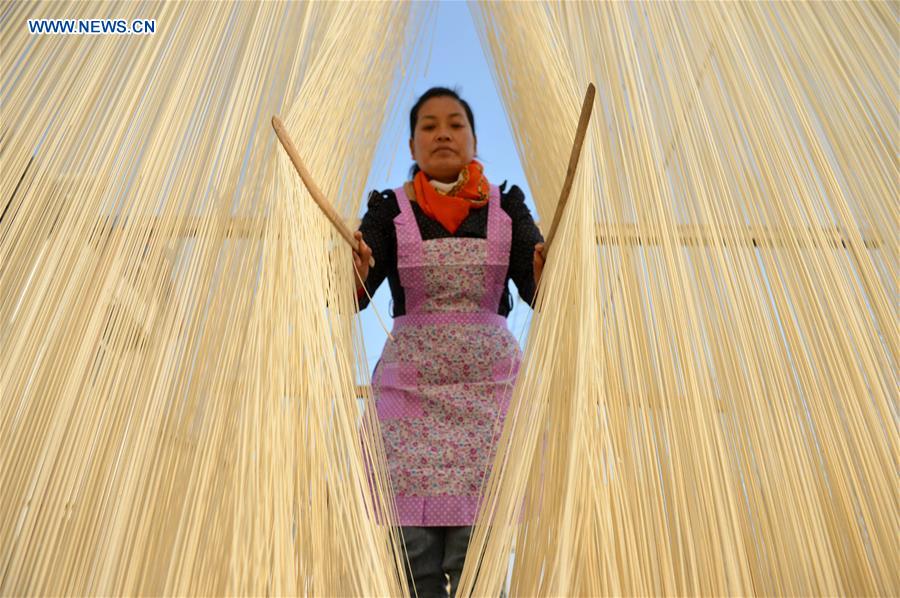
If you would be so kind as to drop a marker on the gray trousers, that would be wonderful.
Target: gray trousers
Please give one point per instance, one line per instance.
(436, 556)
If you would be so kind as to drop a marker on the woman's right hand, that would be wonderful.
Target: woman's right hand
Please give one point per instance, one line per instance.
(361, 260)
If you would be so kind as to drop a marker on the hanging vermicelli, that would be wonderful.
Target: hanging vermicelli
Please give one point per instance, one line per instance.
(707, 400)
(178, 385)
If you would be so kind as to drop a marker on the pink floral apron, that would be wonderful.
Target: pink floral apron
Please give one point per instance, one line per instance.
(443, 386)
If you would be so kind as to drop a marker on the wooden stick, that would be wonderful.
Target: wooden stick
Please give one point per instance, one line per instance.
(313, 189)
(586, 108)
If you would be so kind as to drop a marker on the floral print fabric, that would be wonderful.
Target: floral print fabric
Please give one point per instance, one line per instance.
(443, 384)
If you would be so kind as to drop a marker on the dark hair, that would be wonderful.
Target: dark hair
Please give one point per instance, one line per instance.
(435, 92)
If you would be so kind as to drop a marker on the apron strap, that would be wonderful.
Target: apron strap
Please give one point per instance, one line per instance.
(499, 238)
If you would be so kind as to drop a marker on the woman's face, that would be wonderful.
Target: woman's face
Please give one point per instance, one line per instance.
(443, 142)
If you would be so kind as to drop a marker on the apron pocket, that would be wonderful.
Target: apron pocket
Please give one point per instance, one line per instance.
(395, 389)
(505, 371)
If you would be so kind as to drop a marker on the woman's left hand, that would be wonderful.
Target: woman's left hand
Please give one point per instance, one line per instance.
(538, 263)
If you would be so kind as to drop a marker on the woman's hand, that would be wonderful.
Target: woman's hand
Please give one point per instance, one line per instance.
(361, 260)
(538, 263)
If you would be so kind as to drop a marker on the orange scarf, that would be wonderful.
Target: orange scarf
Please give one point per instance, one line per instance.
(471, 191)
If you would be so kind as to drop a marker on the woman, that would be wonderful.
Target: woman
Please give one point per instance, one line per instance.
(448, 242)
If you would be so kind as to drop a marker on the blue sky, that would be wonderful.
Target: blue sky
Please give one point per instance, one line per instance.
(456, 60)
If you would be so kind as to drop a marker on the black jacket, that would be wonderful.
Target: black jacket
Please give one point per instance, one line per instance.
(379, 233)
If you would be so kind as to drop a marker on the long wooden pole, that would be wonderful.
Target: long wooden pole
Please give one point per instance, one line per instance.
(585, 118)
(311, 186)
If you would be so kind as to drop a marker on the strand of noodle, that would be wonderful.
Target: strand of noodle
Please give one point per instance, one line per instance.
(727, 425)
(179, 412)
